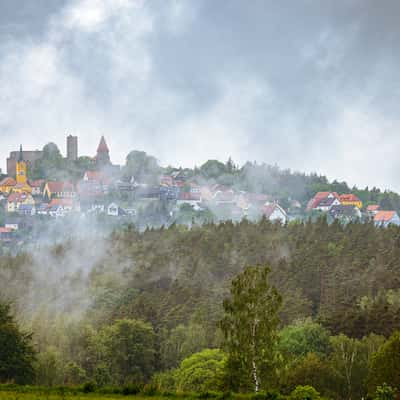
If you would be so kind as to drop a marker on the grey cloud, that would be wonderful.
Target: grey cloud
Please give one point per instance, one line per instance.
(310, 85)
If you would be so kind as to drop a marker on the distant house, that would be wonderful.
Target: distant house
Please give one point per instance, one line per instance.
(191, 198)
(6, 234)
(326, 204)
(345, 213)
(42, 209)
(56, 211)
(27, 209)
(274, 212)
(114, 210)
(245, 200)
(37, 187)
(17, 222)
(96, 207)
(350, 200)
(180, 175)
(166, 180)
(224, 197)
(15, 200)
(372, 210)
(22, 188)
(145, 191)
(385, 218)
(126, 186)
(169, 192)
(323, 201)
(59, 190)
(7, 184)
(67, 204)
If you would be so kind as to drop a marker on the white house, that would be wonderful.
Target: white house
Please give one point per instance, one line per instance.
(274, 212)
(113, 210)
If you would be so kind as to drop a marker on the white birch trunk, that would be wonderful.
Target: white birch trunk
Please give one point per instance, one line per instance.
(255, 377)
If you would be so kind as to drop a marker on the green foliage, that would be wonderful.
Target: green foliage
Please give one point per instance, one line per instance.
(304, 393)
(89, 387)
(249, 325)
(384, 392)
(16, 352)
(385, 364)
(181, 342)
(213, 169)
(304, 337)
(201, 372)
(142, 167)
(311, 370)
(129, 350)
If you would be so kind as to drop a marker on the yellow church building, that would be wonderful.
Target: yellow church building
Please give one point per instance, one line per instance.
(20, 183)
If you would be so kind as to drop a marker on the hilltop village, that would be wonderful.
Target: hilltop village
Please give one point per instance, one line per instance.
(155, 196)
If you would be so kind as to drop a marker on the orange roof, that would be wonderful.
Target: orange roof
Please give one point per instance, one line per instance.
(8, 181)
(384, 215)
(373, 207)
(348, 197)
(57, 187)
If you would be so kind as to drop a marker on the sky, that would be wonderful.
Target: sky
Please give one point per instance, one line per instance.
(309, 85)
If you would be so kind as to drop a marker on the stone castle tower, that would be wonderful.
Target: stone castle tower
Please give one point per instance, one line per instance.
(72, 148)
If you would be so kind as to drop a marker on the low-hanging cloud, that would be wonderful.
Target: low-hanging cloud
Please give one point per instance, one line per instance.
(306, 86)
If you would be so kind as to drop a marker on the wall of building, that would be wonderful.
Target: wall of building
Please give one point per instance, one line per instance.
(29, 156)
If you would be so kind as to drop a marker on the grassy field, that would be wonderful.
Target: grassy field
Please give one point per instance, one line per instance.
(54, 396)
(10, 395)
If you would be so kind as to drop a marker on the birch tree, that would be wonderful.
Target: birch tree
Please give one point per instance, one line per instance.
(250, 329)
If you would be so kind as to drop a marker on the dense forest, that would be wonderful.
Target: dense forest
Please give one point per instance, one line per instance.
(145, 306)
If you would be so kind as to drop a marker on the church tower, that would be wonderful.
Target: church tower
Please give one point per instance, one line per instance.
(103, 153)
(21, 169)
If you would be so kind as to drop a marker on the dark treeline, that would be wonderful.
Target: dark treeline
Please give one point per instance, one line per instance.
(157, 296)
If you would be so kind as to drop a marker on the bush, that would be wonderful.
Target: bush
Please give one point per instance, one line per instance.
(132, 389)
(304, 393)
(208, 395)
(149, 390)
(89, 387)
(384, 392)
(268, 395)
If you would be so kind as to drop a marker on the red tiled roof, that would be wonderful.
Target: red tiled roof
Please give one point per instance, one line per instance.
(189, 196)
(373, 207)
(37, 183)
(5, 230)
(314, 202)
(57, 187)
(8, 181)
(384, 216)
(17, 197)
(103, 148)
(61, 202)
(348, 197)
